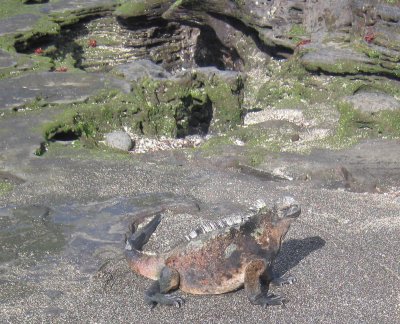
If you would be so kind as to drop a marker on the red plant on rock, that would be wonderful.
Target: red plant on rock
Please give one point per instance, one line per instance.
(369, 37)
(92, 42)
(303, 42)
(61, 69)
(39, 51)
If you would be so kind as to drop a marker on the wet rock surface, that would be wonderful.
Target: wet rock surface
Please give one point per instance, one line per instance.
(296, 98)
(54, 87)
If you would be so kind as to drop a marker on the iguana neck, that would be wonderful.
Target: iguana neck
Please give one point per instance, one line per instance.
(270, 233)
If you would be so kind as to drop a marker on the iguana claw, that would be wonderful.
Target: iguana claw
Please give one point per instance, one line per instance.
(265, 300)
(170, 300)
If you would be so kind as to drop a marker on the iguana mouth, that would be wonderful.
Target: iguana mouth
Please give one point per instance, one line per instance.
(293, 211)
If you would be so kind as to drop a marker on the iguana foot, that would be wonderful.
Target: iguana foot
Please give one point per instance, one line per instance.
(157, 293)
(265, 299)
(289, 280)
(170, 300)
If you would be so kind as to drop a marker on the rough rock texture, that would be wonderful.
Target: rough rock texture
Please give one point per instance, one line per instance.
(277, 27)
(167, 43)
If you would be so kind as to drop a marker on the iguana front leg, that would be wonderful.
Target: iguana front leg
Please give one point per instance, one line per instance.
(255, 290)
(269, 277)
(157, 293)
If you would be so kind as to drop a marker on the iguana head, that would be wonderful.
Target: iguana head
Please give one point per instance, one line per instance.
(286, 207)
(275, 223)
(270, 226)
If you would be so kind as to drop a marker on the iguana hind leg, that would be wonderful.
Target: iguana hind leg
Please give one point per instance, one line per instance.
(257, 293)
(157, 293)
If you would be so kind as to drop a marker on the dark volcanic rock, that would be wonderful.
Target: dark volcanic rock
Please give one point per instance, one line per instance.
(54, 87)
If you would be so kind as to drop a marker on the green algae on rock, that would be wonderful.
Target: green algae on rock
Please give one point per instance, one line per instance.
(5, 187)
(139, 8)
(195, 103)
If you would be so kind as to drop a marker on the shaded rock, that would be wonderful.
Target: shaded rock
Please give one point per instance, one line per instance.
(373, 101)
(119, 140)
(54, 88)
(141, 68)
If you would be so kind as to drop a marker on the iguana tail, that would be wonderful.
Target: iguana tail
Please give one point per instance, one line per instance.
(146, 264)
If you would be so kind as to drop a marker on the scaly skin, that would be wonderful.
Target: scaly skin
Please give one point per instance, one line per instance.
(220, 261)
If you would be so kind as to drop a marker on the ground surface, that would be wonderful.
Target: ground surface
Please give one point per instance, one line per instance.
(343, 251)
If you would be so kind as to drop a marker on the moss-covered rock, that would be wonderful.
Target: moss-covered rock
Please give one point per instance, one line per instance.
(139, 8)
(5, 187)
(195, 103)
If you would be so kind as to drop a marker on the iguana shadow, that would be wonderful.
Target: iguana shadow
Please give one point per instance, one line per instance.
(295, 250)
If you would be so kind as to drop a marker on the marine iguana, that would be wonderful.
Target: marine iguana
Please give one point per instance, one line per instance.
(218, 261)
